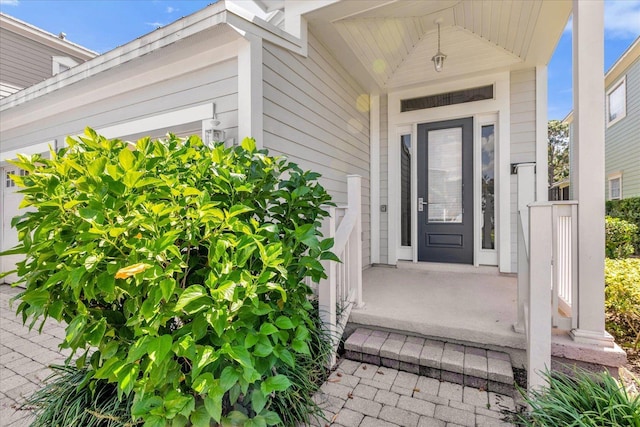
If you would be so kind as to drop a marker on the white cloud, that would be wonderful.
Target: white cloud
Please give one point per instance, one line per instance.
(171, 9)
(155, 24)
(9, 2)
(621, 19)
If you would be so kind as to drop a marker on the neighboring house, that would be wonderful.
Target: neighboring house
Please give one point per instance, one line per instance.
(29, 55)
(622, 117)
(349, 87)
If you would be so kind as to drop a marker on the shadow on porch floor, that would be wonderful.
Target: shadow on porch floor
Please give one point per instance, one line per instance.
(467, 306)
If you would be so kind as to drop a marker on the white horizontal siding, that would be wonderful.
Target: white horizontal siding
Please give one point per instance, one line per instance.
(24, 62)
(622, 139)
(217, 83)
(311, 117)
(523, 140)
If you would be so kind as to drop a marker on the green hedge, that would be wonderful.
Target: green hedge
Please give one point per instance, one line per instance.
(622, 291)
(620, 238)
(627, 209)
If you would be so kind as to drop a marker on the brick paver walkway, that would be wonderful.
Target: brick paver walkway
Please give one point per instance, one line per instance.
(357, 394)
(363, 395)
(24, 359)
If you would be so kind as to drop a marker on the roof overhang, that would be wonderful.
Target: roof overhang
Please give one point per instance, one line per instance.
(223, 22)
(630, 56)
(388, 44)
(44, 37)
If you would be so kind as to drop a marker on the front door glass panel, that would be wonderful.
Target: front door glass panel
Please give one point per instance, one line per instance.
(445, 175)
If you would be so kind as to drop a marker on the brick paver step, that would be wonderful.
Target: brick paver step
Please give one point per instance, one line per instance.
(465, 365)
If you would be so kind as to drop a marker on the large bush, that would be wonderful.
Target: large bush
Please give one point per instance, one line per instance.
(622, 291)
(629, 210)
(620, 237)
(182, 266)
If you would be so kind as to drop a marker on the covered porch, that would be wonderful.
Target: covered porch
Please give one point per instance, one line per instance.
(461, 304)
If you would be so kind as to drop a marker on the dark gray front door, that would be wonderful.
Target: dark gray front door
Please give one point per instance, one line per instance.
(445, 191)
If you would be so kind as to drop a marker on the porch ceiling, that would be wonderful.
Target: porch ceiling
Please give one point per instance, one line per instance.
(392, 42)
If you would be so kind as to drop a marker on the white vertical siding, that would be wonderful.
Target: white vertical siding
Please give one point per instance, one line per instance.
(523, 139)
(384, 179)
(312, 115)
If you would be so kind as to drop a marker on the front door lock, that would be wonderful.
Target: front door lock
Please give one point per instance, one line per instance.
(421, 204)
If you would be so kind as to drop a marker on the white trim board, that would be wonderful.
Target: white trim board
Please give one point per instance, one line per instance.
(172, 118)
(42, 147)
(402, 121)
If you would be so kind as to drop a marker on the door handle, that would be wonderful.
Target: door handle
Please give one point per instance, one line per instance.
(421, 203)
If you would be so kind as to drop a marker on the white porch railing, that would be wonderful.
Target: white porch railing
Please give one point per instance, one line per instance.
(342, 289)
(547, 271)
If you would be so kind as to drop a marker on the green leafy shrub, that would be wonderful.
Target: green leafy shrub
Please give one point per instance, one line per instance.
(629, 210)
(586, 399)
(622, 302)
(183, 266)
(621, 237)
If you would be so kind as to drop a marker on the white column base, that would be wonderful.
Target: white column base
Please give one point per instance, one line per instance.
(600, 339)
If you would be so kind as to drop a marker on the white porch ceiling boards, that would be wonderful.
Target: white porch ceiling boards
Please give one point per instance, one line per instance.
(392, 42)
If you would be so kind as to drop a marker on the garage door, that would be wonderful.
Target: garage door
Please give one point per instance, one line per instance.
(10, 202)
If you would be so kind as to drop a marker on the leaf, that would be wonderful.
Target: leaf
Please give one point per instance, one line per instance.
(131, 270)
(272, 418)
(263, 348)
(267, 329)
(96, 332)
(96, 168)
(228, 378)
(241, 355)
(190, 294)
(276, 383)
(200, 417)
(145, 405)
(287, 357)
(159, 348)
(258, 400)
(300, 347)
(283, 322)
(214, 407)
(257, 421)
(126, 159)
(238, 210)
(249, 144)
(167, 286)
(127, 377)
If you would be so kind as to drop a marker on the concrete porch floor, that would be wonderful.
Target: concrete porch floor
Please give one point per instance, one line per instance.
(466, 305)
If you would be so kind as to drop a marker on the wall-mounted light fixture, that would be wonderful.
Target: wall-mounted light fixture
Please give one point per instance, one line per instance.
(439, 57)
(212, 131)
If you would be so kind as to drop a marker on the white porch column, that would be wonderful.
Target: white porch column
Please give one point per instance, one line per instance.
(250, 97)
(374, 177)
(588, 127)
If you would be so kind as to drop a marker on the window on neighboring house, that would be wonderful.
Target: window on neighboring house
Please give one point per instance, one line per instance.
(617, 102)
(60, 64)
(615, 187)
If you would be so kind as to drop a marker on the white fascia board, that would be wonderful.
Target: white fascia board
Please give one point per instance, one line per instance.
(246, 23)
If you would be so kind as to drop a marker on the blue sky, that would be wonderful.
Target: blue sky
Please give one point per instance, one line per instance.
(105, 24)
